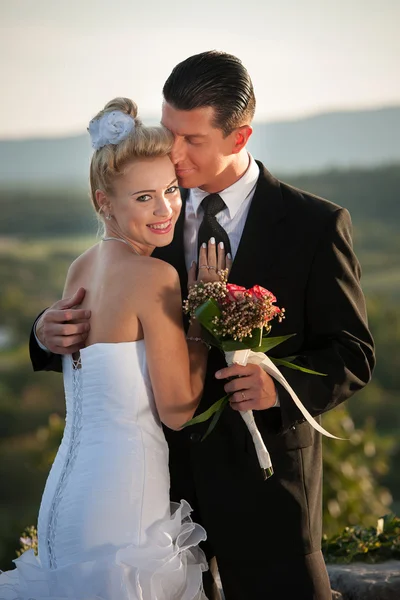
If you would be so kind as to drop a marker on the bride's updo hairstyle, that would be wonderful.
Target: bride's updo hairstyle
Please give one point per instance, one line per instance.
(118, 138)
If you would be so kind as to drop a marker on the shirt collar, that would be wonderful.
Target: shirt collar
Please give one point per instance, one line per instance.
(235, 194)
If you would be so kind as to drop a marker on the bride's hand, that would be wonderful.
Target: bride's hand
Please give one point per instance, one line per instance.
(212, 259)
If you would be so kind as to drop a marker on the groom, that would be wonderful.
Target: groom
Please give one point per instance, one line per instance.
(265, 535)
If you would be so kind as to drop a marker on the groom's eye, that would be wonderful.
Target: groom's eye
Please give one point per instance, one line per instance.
(172, 189)
(143, 198)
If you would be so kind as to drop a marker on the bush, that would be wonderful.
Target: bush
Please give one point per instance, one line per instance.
(371, 544)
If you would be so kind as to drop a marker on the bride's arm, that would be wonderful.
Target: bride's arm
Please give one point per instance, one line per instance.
(177, 366)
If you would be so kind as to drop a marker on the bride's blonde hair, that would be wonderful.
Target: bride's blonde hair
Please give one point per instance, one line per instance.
(109, 161)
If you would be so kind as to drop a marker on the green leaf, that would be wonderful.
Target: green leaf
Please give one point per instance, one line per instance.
(255, 339)
(252, 341)
(206, 313)
(207, 413)
(285, 363)
(216, 417)
(210, 338)
(270, 342)
(231, 345)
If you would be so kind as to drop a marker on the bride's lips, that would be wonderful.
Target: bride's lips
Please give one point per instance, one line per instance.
(161, 227)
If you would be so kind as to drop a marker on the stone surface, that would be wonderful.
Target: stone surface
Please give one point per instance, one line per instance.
(360, 581)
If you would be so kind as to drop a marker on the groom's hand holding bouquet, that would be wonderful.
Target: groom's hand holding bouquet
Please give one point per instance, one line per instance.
(237, 321)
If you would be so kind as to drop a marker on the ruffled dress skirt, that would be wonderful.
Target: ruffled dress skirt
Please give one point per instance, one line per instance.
(168, 567)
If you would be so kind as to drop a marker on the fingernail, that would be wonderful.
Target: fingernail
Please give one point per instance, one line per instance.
(229, 255)
(204, 245)
(221, 245)
(193, 263)
(87, 314)
(218, 374)
(212, 240)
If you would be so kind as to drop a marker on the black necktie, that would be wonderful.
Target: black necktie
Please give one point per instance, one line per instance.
(209, 227)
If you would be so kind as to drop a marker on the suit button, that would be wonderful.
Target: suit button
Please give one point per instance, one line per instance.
(293, 428)
(195, 437)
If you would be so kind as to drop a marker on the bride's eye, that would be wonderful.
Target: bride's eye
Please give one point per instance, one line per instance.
(172, 189)
(143, 198)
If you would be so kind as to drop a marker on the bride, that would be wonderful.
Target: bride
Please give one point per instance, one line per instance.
(106, 528)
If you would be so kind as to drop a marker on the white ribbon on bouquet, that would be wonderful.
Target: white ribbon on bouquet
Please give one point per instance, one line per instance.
(242, 357)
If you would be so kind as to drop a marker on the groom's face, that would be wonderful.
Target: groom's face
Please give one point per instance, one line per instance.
(201, 154)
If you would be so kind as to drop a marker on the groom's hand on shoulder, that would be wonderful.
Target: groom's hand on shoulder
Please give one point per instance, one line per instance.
(252, 388)
(62, 328)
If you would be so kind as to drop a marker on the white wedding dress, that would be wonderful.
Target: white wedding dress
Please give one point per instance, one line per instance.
(105, 526)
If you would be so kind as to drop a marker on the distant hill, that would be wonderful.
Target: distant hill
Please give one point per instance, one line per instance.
(54, 160)
(332, 140)
(338, 140)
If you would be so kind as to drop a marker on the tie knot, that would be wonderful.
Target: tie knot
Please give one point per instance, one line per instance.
(212, 205)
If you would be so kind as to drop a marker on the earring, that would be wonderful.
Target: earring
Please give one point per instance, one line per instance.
(103, 207)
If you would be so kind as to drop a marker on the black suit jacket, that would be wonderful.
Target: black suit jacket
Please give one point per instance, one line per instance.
(299, 247)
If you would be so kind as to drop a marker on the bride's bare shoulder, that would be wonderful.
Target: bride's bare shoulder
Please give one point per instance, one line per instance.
(156, 273)
(156, 288)
(159, 267)
(79, 265)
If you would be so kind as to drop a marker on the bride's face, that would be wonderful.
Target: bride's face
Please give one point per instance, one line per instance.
(145, 204)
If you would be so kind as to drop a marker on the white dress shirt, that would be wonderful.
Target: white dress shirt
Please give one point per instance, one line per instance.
(232, 218)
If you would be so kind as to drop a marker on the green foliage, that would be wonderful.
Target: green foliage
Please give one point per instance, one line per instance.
(370, 195)
(207, 414)
(384, 320)
(31, 404)
(352, 470)
(367, 544)
(39, 212)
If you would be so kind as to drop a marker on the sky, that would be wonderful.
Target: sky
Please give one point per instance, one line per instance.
(62, 60)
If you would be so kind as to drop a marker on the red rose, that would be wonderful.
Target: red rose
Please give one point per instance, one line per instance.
(235, 292)
(259, 293)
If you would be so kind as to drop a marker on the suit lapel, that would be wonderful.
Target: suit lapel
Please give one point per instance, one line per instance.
(259, 243)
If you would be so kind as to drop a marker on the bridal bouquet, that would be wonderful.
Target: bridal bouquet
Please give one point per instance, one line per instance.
(237, 321)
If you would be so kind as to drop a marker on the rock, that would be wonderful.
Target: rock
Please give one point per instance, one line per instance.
(361, 581)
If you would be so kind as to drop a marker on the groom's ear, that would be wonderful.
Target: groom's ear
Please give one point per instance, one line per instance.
(241, 136)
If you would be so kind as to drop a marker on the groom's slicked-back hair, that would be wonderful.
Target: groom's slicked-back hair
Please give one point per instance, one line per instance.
(214, 79)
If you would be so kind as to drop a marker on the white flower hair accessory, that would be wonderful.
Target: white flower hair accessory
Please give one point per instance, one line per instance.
(111, 128)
